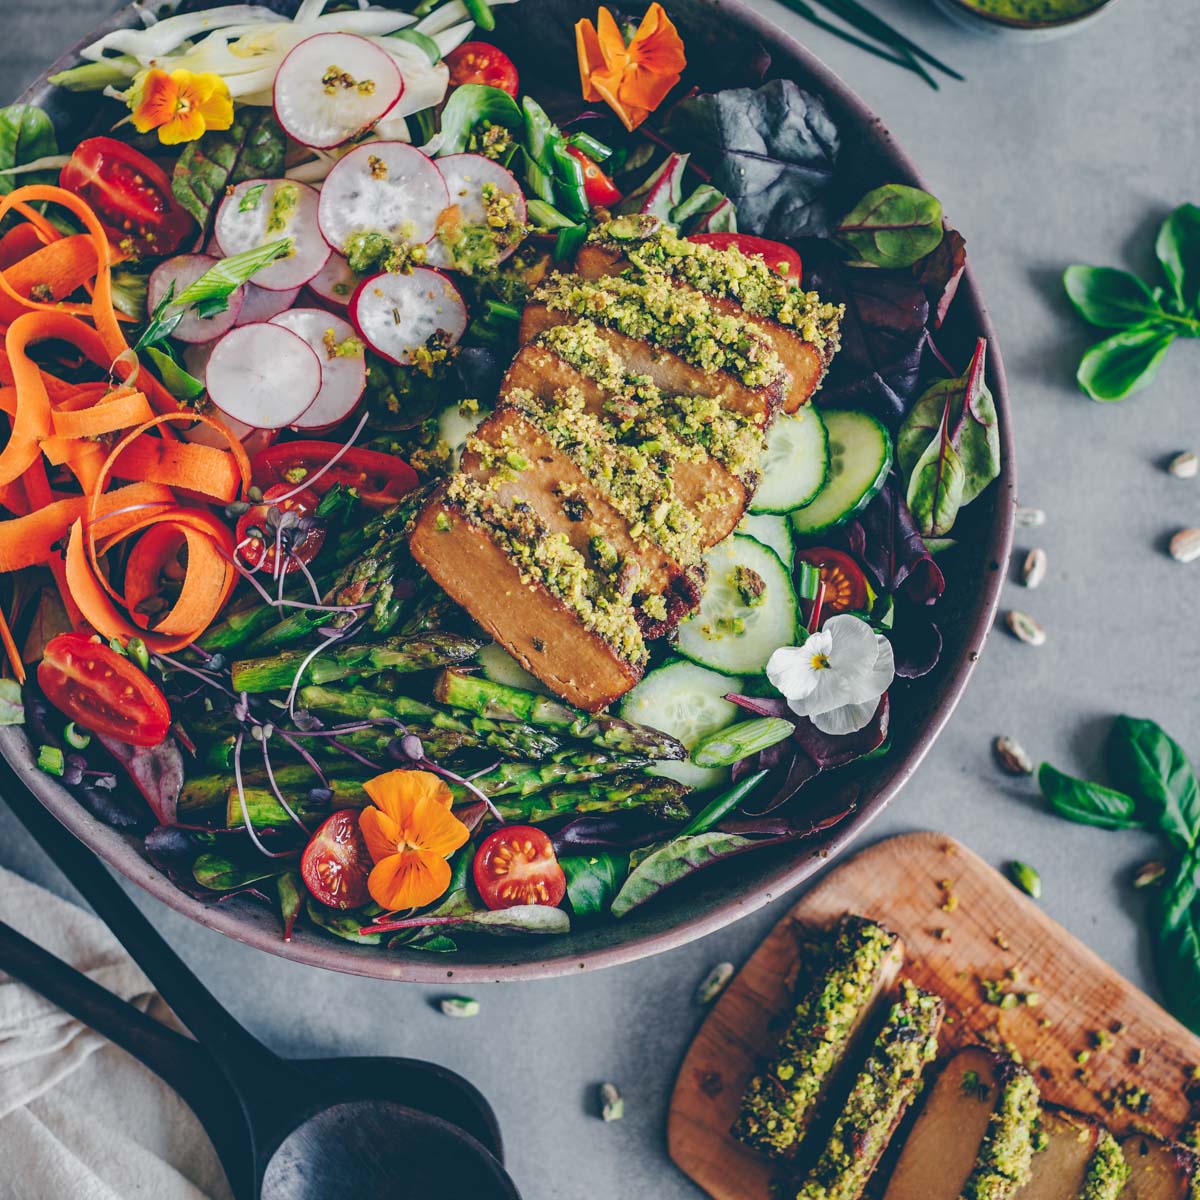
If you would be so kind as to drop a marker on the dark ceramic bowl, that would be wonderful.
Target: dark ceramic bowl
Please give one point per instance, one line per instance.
(719, 35)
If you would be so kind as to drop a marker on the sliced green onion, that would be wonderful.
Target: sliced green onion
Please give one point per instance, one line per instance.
(51, 760)
(175, 379)
(480, 12)
(502, 312)
(77, 739)
(595, 149)
(224, 277)
(728, 746)
(807, 580)
(546, 216)
(136, 649)
(569, 240)
(723, 805)
(422, 41)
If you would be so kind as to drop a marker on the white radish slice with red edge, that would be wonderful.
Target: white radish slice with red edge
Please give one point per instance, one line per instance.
(195, 361)
(259, 304)
(465, 176)
(382, 187)
(333, 86)
(334, 283)
(182, 270)
(261, 211)
(343, 364)
(398, 314)
(263, 375)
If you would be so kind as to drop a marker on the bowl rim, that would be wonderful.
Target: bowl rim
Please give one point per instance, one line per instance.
(321, 950)
(1026, 25)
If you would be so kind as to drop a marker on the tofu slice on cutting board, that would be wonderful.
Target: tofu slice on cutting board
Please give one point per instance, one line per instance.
(1080, 1158)
(1158, 1170)
(959, 1130)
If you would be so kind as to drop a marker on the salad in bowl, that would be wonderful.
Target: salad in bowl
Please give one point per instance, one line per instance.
(457, 489)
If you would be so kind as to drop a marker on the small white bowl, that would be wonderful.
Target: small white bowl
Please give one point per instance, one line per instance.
(1015, 29)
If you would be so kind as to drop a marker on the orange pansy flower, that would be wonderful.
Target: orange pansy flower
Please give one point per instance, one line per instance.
(181, 105)
(410, 833)
(632, 80)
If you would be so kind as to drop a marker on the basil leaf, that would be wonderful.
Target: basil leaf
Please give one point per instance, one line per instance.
(253, 147)
(1123, 364)
(1154, 769)
(26, 134)
(593, 881)
(468, 107)
(892, 226)
(1177, 945)
(174, 378)
(1178, 250)
(665, 865)
(1087, 803)
(1110, 298)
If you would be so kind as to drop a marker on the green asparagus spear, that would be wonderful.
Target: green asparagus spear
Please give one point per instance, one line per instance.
(362, 658)
(294, 779)
(566, 767)
(504, 703)
(510, 738)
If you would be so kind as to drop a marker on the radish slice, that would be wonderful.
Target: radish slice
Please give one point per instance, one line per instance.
(182, 270)
(343, 375)
(263, 375)
(465, 176)
(333, 86)
(334, 283)
(260, 211)
(261, 305)
(382, 187)
(398, 314)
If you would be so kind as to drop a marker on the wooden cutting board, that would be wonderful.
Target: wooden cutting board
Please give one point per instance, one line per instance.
(962, 922)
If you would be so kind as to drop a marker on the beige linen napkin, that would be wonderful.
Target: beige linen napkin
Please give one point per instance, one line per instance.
(79, 1118)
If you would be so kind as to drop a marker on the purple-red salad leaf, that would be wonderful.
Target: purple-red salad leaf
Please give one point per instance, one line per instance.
(916, 641)
(771, 150)
(829, 751)
(597, 833)
(157, 772)
(940, 273)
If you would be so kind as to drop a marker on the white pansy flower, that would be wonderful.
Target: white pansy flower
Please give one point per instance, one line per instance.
(837, 677)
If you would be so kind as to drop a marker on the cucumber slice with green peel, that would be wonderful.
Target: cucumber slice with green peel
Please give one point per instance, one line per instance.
(860, 457)
(747, 611)
(500, 667)
(795, 464)
(773, 530)
(688, 702)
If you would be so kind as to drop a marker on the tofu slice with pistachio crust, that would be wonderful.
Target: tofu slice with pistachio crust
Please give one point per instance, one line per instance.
(1160, 1170)
(974, 1136)
(1078, 1159)
(830, 1018)
(882, 1091)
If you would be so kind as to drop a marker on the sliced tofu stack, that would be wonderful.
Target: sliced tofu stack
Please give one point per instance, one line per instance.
(671, 335)
(600, 496)
(882, 1091)
(830, 1019)
(974, 1135)
(572, 627)
(1079, 1160)
(1159, 1170)
(801, 329)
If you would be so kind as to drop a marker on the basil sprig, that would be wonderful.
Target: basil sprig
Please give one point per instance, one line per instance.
(1145, 320)
(1156, 789)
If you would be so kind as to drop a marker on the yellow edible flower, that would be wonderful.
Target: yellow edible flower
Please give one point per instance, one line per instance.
(181, 105)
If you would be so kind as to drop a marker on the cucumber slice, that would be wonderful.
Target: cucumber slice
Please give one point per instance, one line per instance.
(688, 702)
(860, 457)
(729, 635)
(500, 667)
(772, 530)
(795, 464)
(455, 426)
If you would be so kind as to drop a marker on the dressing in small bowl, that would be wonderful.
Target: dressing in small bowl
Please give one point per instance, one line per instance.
(1030, 20)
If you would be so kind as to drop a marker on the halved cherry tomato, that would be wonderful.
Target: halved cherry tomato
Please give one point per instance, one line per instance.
(776, 255)
(846, 587)
(380, 479)
(600, 191)
(103, 691)
(335, 863)
(129, 194)
(516, 865)
(478, 62)
(256, 530)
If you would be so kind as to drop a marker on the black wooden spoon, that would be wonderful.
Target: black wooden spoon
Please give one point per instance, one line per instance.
(283, 1130)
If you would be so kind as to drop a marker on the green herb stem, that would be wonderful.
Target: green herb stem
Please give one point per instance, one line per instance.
(905, 61)
(868, 21)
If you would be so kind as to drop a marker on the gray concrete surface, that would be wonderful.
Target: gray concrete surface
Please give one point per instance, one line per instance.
(1049, 154)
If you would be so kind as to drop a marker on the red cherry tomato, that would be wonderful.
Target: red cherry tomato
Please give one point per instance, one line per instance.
(479, 62)
(103, 691)
(335, 863)
(257, 526)
(129, 194)
(380, 479)
(776, 255)
(846, 587)
(516, 865)
(600, 191)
